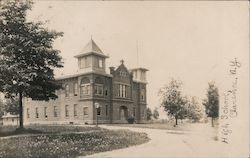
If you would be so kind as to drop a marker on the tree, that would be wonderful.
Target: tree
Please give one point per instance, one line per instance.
(173, 102)
(194, 110)
(149, 114)
(155, 114)
(1, 109)
(27, 56)
(211, 103)
(11, 105)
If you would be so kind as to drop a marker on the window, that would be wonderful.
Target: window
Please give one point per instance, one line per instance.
(134, 112)
(66, 111)
(98, 89)
(84, 62)
(55, 111)
(143, 76)
(106, 108)
(66, 90)
(106, 92)
(99, 111)
(123, 74)
(85, 89)
(45, 112)
(143, 94)
(100, 63)
(142, 97)
(75, 109)
(85, 111)
(12, 120)
(28, 113)
(135, 75)
(122, 91)
(142, 113)
(37, 114)
(75, 89)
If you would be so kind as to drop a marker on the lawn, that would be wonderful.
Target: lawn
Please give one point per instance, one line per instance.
(69, 143)
(44, 129)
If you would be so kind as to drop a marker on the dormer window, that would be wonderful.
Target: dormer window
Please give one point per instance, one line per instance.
(123, 74)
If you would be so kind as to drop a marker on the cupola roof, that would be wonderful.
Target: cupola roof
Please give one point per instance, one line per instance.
(91, 48)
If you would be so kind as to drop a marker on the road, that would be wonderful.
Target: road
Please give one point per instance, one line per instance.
(165, 143)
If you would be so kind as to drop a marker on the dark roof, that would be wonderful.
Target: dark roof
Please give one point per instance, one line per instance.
(139, 68)
(91, 48)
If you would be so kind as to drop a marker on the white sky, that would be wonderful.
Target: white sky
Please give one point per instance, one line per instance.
(190, 41)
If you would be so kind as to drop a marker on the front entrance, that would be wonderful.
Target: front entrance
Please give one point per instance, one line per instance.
(123, 113)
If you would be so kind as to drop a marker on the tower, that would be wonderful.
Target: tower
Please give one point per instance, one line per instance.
(139, 74)
(140, 99)
(91, 59)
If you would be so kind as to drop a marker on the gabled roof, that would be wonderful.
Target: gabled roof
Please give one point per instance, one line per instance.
(122, 67)
(91, 48)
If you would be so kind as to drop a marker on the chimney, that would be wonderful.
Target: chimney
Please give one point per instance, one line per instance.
(112, 69)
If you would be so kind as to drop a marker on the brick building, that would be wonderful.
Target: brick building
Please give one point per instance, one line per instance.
(120, 94)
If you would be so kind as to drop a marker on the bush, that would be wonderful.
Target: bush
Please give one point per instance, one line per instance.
(131, 120)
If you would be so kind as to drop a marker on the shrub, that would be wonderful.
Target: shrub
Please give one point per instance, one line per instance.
(131, 120)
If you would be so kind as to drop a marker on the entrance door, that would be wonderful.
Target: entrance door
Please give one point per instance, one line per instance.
(123, 113)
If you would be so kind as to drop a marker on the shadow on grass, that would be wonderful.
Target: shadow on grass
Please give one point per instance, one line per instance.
(44, 129)
(20, 131)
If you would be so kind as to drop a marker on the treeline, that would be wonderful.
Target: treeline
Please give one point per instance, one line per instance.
(180, 106)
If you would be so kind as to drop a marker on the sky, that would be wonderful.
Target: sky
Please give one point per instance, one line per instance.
(189, 41)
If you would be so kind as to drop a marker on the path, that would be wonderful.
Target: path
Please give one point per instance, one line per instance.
(165, 143)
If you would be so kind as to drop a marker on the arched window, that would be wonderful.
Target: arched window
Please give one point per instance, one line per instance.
(98, 80)
(85, 80)
(98, 89)
(85, 87)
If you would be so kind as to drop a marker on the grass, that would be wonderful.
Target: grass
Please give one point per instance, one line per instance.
(51, 142)
(43, 129)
